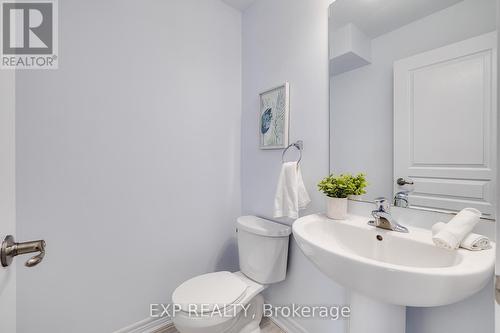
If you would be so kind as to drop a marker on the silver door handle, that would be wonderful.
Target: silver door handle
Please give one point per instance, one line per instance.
(11, 249)
(402, 182)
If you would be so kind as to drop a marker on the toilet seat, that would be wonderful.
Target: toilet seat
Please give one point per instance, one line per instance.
(209, 292)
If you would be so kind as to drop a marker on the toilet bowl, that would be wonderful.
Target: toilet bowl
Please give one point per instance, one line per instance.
(220, 302)
(225, 302)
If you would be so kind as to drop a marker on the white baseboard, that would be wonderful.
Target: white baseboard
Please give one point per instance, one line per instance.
(288, 325)
(148, 325)
(152, 325)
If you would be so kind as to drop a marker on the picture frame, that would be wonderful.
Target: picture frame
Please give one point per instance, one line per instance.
(274, 117)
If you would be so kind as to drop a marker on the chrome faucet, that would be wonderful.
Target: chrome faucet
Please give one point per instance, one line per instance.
(401, 199)
(383, 217)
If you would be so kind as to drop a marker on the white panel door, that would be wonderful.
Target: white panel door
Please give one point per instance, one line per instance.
(7, 198)
(445, 125)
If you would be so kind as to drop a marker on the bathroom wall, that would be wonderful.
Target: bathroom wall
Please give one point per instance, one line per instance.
(362, 99)
(128, 160)
(286, 40)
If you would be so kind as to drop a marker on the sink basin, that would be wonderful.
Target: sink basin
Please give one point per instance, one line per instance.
(391, 267)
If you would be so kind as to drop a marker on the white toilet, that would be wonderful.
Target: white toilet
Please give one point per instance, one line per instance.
(225, 302)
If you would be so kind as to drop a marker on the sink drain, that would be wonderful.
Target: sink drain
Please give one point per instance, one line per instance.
(380, 238)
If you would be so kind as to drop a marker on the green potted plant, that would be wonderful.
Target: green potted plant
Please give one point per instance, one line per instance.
(337, 189)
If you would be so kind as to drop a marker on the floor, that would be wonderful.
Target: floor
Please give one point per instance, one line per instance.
(267, 326)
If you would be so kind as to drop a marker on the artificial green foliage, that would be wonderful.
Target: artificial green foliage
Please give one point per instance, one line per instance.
(343, 185)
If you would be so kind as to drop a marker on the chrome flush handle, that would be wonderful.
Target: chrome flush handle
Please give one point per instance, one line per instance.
(11, 249)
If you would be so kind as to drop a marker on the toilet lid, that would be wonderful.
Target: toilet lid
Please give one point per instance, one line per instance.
(209, 292)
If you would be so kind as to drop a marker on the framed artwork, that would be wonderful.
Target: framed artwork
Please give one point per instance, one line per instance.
(274, 117)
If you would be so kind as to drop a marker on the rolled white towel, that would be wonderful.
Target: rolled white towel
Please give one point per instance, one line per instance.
(457, 229)
(472, 242)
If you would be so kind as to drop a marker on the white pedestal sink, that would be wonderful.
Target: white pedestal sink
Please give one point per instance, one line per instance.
(387, 271)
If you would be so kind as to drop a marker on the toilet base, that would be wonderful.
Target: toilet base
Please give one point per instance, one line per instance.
(249, 323)
(256, 307)
(257, 330)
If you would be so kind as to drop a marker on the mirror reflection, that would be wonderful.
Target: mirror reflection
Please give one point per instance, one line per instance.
(413, 100)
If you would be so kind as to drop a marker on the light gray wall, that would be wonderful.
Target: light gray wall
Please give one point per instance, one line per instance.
(476, 314)
(362, 99)
(287, 40)
(128, 160)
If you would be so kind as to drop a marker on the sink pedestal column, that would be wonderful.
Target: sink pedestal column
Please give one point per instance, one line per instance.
(369, 315)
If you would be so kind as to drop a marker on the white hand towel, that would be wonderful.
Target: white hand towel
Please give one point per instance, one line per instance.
(291, 194)
(472, 242)
(455, 231)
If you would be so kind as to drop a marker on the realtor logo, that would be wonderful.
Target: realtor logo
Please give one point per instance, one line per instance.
(29, 34)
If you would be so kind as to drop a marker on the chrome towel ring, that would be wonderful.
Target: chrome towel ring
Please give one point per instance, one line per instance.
(299, 145)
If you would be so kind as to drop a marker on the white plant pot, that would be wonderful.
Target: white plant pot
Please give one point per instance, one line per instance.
(336, 208)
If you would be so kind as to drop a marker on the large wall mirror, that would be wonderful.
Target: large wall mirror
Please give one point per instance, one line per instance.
(413, 100)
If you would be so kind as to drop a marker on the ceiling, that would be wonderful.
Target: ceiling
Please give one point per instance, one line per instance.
(239, 4)
(377, 17)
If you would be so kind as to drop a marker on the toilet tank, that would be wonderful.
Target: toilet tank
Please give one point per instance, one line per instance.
(262, 249)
